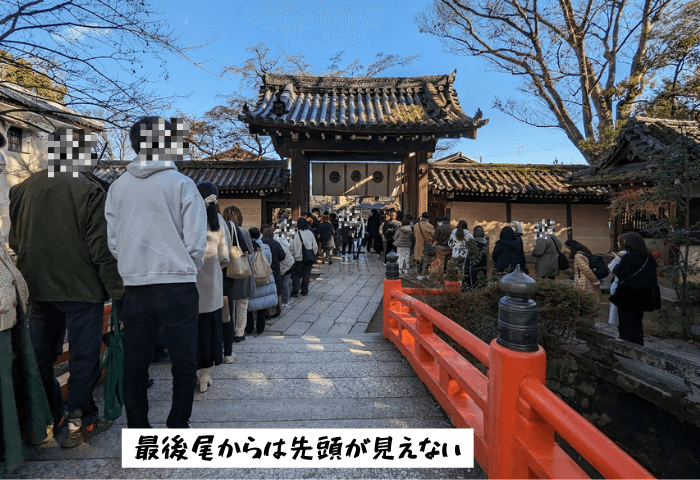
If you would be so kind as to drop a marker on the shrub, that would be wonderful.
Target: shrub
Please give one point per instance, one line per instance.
(562, 312)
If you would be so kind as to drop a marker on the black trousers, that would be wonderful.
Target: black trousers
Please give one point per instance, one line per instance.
(630, 326)
(176, 306)
(301, 274)
(47, 327)
(349, 243)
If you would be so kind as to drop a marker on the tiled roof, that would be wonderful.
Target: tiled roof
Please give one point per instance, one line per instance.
(235, 153)
(36, 103)
(256, 176)
(240, 176)
(639, 141)
(507, 180)
(642, 138)
(457, 158)
(426, 105)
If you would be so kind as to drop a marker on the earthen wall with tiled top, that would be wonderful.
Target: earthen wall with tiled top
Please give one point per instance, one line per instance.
(251, 209)
(590, 226)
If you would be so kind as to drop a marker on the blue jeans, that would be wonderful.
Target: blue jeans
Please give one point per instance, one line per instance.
(48, 322)
(146, 307)
(286, 286)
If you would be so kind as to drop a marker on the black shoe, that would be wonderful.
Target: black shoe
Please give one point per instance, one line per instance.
(330, 262)
(260, 331)
(239, 339)
(160, 356)
(303, 294)
(295, 294)
(248, 332)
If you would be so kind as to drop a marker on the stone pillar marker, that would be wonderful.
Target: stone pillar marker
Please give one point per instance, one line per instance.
(392, 266)
(517, 312)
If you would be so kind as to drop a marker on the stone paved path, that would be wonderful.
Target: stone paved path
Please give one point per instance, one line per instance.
(313, 368)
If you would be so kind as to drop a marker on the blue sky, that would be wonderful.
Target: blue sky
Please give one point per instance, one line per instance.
(318, 30)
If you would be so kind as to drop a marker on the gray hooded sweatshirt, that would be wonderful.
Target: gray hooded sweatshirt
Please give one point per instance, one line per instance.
(156, 224)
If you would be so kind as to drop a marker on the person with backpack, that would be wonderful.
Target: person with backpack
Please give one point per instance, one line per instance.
(265, 288)
(389, 228)
(546, 253)
(210, 284)
(304, 249)
(238, 290)
(458, 242)
(443, 252)
(584, 278)
(278, 257)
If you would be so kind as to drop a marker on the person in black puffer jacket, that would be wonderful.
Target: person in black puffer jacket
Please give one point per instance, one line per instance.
(508, 252)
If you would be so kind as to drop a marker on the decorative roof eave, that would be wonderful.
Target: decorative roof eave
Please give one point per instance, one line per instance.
(387, 106)
(34, 103)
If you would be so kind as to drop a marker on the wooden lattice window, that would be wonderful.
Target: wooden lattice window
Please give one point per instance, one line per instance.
(14, 139)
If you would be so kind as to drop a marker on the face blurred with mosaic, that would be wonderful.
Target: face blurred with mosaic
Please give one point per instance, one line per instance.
(162, 140)
(71, 151)
(544, 228)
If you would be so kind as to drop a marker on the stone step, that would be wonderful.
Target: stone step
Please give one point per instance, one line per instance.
(674, 357)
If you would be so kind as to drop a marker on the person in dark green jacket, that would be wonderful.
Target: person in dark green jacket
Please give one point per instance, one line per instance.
(59, 233)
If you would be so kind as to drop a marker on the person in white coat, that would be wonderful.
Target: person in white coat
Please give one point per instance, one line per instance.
(286, 267)
(613, 318)
(301, 274)
(210, 284)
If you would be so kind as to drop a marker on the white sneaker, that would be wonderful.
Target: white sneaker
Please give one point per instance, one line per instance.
(286, 305)
(230, 358)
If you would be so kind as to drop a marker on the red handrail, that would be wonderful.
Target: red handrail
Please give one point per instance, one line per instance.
(586, 439)
(513, 414)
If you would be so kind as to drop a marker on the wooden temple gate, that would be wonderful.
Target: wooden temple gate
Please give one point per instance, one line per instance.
(360, 120)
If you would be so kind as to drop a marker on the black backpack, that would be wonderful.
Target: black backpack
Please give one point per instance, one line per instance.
(598, 266)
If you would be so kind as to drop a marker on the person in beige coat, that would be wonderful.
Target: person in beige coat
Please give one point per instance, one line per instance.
(423, 231)
(584, 278)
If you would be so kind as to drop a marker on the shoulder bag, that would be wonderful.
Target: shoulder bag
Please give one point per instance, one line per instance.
(307, 256)
(239, 264)
(562, 260)
(428, 248)
(648, 297)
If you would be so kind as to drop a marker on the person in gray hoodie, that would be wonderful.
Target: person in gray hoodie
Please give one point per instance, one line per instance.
(157, 231)
(546, 253)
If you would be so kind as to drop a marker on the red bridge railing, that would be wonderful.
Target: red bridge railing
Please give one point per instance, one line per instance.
(513, 414)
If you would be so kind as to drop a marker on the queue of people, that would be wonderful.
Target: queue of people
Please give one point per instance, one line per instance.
(157, 245)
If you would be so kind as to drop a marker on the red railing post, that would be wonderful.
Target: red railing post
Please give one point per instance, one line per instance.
(391, 282)
(514, 355)
(506, 370)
